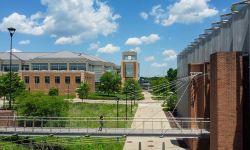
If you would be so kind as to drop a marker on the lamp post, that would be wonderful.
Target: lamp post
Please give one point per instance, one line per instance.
(11, 31)
(117, 110)
(126, 90)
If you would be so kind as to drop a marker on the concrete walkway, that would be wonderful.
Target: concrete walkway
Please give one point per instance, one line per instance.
(148, 108)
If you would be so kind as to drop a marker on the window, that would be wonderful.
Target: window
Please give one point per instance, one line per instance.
(58, 66)
(75, 66)
(129, 70)
(78, 80)
(47, 79)
(25, 67)
(6, 67)
(37, 79)
(57, 80)
(39, 66)
(67, 80)
(26, 79)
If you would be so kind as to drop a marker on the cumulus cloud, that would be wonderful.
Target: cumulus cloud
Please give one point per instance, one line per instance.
(109, 48)
(159, 65)
(183, 11)
(94, 46)
(149, 58)
(143, 40)
(144, 15)
(14, 50)
(72, 21)
(24, 42)
(169, 54)
(136, 49)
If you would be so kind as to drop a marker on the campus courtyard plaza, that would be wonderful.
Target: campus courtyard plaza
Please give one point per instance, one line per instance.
(147, 109)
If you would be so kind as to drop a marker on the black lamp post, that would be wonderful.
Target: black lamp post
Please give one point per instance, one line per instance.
(11, 31)
(126, 90)
(117, 110)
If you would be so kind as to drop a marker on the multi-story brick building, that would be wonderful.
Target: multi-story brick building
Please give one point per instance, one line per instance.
(63, 70)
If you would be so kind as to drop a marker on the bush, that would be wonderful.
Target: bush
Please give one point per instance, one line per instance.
(53, 92)
(83, 91)
(41, 105)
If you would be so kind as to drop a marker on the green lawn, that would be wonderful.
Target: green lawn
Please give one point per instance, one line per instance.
(65, 143)
(100, 96)
(95, 110)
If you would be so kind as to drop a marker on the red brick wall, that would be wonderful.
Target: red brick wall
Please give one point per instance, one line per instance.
(62, 86)
(197, 103)
(6, 118)
(226, 101)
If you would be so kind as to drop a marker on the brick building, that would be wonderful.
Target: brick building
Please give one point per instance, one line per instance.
(217, 64)
(63, 70)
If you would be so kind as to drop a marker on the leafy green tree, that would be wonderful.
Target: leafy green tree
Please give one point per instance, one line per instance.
(132, 88)
(17, 85)
(41, 105)
(110, 82)
(170, 102)
(172, 77)
(83, 91)
(160, 86)
(53, 92)
(172, 74)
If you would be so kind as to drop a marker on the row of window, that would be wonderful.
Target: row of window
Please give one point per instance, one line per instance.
(58, 66)
(57, 79)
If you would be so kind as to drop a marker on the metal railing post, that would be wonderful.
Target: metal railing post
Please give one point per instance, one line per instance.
(140, 146)
(33, 124)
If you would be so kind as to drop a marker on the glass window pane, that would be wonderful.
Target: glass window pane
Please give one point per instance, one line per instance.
(78, 80)
(57, 79)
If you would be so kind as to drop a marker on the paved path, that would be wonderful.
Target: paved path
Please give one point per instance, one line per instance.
(149, 109)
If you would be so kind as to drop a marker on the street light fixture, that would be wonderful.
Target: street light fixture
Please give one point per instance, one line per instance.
(117, 110)
(11, 31)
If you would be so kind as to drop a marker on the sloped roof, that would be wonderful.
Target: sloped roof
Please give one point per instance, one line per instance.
(25, 56)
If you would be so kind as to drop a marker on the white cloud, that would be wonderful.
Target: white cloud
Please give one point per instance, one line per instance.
(94, 46)
(169, 54)
(144, 15)
(14, 50)
(24, 42)
(73, 21)
(149, 58)
(109, 48)
(159, 65)
(183, 11)
(143, 40)
(136, 49)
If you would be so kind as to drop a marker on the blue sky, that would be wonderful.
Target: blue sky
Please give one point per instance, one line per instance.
(157, 29)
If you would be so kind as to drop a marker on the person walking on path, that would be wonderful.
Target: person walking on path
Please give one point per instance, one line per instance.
(101, 123)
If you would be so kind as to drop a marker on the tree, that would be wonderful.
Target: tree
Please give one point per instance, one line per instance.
(83, 91)
(172, 74)
(39, 104)
(172, 77)
(131, 87)
(17, 85)
(170, 102)
(53, 92)
(110, 82)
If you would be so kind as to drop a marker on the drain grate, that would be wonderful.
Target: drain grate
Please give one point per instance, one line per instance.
(129, 142)
(150, 145)
(150, 141)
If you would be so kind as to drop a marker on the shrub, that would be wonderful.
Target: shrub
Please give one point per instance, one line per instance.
(53, 92)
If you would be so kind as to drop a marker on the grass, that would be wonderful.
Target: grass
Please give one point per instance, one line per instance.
(64, 143)
(95, 110)
(101, 96)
